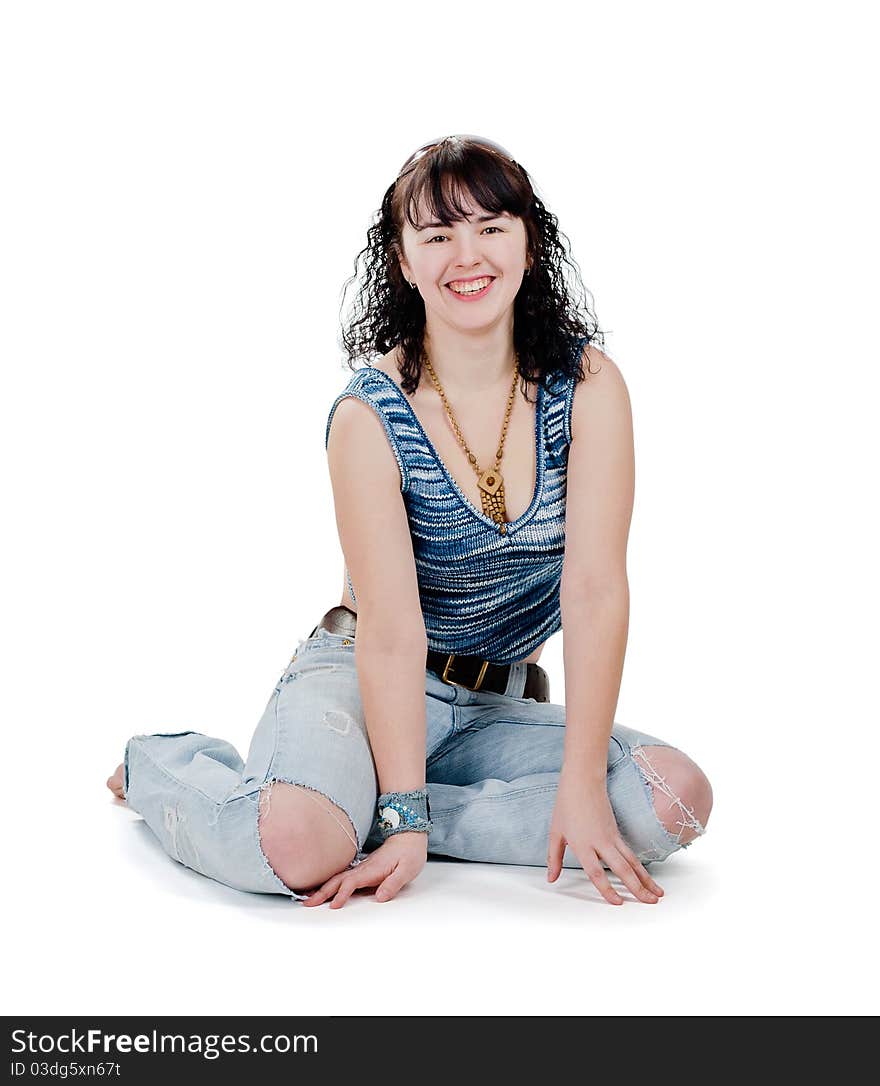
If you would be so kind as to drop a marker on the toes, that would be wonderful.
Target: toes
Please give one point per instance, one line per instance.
(115, 782)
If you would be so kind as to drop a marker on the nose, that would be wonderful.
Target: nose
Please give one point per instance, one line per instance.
(467, 252)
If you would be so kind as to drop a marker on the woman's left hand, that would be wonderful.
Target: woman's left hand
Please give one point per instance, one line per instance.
(583, 818)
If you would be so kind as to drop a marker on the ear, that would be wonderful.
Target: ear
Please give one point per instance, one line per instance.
(404, 266)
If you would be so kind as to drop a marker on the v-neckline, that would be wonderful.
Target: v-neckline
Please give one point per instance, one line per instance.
(511, 525)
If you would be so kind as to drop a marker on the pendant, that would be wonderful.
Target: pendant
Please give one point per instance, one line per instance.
(491, 486)
(490, 481)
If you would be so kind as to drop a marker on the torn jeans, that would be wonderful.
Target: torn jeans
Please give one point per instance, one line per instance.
(492, 768)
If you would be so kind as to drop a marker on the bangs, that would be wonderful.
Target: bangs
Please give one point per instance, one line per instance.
(442, 185)
(446, 181)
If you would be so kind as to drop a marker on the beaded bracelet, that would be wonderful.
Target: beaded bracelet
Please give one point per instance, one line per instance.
(404, 812)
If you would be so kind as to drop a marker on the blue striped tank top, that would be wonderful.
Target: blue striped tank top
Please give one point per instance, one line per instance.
(483, 591)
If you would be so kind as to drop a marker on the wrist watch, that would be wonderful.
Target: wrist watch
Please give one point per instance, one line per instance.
(404, 812)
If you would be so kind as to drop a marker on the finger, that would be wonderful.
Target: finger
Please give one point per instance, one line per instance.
(390, 887)
(597, 875)
(345, 891)
(555, 850)
(639, 868)
(323, 892)
(353, 880)
(621, 867)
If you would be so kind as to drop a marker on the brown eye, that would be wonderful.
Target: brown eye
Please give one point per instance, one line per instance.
(434, 238)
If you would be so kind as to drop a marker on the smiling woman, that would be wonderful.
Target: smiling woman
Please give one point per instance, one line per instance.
(472, 521)
(463, 208)
(494, 255)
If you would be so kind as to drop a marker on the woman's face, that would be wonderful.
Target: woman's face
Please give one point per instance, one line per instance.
(439, 258)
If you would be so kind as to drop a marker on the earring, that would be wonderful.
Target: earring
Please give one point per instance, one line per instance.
(413, 286)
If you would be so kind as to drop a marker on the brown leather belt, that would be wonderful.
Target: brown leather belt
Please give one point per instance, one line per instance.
(453, 668)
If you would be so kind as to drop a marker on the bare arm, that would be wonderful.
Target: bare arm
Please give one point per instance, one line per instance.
(595, 608)
(593, 647)
(595, 590)
(391, 644)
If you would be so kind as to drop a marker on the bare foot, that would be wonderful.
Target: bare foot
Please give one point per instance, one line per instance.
(114, 783)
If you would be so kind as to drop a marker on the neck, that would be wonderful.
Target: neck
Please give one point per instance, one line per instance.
(470, 363)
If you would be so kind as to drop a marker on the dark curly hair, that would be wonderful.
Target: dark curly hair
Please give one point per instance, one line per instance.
(387, 313)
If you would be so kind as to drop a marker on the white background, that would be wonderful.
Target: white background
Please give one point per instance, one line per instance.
(185, 190)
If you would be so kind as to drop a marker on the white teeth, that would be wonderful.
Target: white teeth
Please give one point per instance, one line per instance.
(471, 288)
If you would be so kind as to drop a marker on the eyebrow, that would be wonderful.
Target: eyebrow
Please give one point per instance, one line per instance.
(481, 218)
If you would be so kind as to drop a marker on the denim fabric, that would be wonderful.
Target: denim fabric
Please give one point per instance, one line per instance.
(492, 767)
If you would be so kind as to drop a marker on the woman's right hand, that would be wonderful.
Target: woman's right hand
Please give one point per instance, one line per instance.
(397, 861)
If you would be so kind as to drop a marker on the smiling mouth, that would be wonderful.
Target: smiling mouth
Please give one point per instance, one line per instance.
(475, 287)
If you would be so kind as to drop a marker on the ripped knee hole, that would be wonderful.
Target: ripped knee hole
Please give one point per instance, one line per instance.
(689, 819)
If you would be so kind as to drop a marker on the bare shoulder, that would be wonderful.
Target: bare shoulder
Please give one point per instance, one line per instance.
(599, 367)
(388, 364)
(358, 441)
(373, 525)
(602, 394)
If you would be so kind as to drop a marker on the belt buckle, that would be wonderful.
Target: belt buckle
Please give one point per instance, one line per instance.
(452, 682)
